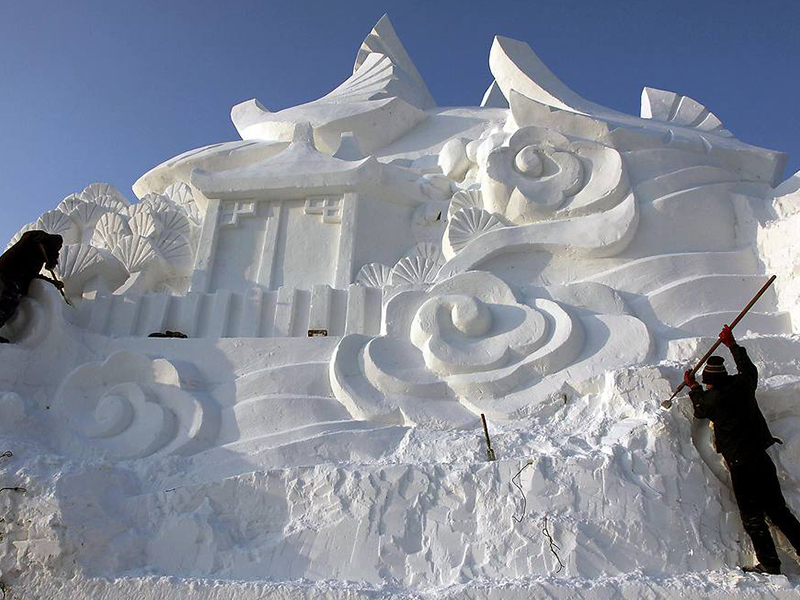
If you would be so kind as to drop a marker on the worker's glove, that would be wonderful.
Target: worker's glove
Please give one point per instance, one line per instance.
(689, 380)
(726, 336)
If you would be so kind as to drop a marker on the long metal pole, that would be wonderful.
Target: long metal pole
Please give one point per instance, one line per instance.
(668, 403)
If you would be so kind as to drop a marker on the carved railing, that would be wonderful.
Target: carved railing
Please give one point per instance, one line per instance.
(285, 312)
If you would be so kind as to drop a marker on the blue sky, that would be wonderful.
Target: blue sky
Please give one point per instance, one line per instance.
(99, 90)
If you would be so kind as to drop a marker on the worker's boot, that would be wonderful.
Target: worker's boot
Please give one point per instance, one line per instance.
(759, 568)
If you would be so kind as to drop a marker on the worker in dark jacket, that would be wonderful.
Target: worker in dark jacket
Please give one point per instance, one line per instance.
(21, 264)
(742, 436)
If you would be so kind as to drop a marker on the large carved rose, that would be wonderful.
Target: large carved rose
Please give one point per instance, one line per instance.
(538, 174)
(466, 337)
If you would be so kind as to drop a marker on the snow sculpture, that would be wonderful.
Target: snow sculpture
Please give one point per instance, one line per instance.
(360, 277)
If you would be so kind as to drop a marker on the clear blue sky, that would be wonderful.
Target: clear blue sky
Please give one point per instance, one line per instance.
(99, 90)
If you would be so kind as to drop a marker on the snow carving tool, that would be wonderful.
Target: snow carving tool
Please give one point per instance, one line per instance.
(668, 403)
(490, 455)
(60, 289)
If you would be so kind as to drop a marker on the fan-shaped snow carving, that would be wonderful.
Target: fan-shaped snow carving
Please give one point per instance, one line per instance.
(157, 202)
(86, 214)
(70, 203)
(374, 275)
(670, 107)
(143, 223)
(131, 406)
(174, 221)
(179, 193)
(100, 194)
(427, 250)
(383, 99)
(466, 225)
(383, 40)
(138, 208)
(135, 252)
(108, 231)
(75, 258)
(174, 248)
(111, 203)
(414, 270)
(80, 263)
(55, 221)
(471, 198)
(193, 214)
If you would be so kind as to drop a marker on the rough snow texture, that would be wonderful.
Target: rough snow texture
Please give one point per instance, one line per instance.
(360, 277)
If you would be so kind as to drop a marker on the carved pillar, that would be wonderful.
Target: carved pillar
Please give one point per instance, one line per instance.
(206, 249)
(269, 245)
(347, 232)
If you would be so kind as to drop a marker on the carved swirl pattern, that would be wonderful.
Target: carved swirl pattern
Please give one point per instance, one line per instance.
(460, 333)
(132, 406)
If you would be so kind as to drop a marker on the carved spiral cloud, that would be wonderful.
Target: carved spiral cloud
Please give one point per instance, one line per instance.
(131, 406)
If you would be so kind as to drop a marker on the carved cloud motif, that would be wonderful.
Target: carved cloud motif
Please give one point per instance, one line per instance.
(132, 406)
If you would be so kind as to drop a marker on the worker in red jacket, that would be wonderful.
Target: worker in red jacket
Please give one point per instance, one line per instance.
(21, 264)
(742, 436)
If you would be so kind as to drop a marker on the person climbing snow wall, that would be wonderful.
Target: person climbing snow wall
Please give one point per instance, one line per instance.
(21, 264)
(742, 436)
